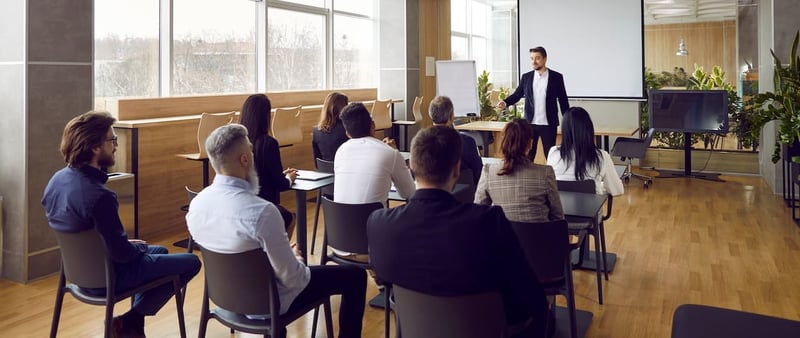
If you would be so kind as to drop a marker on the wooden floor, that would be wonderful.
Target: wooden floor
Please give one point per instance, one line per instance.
(730, 244)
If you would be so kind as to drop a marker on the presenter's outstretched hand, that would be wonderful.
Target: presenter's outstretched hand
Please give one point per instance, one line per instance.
(501, 104)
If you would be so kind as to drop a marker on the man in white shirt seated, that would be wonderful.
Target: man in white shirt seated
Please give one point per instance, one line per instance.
(229, 217)
(364, 166)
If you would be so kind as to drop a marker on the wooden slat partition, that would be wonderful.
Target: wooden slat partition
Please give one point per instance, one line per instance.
(162, 175)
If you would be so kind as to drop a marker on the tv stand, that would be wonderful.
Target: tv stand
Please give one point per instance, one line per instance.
(687, 165)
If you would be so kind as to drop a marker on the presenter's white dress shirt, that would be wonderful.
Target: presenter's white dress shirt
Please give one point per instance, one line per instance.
(539, 97)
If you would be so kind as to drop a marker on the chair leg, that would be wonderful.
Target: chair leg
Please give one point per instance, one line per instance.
(316, 221)
(201, 331)
(597, 266)
(328, 318)
(109, 315)
(603, 247)
(190, 244)
(179, 292)
(314, 323)
(387, 291)
(573, 317)
(57, 308)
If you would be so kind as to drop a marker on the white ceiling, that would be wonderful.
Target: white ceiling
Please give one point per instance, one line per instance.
(685, 11)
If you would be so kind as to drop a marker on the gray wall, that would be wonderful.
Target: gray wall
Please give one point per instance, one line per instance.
(46, 79)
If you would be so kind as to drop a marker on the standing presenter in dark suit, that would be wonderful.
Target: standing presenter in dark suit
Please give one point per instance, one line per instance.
(541, 87)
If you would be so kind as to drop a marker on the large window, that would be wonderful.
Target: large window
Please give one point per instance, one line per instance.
(483, 30)
(126, 48)
(296, 50)
(214, 47)
(235, 46)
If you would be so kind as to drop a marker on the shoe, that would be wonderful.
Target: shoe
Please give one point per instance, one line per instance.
(118, 330)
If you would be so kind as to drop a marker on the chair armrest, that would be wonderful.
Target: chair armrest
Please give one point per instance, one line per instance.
(609, 206)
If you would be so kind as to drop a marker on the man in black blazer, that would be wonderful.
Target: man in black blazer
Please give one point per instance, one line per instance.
(437, 245)
(541, 87)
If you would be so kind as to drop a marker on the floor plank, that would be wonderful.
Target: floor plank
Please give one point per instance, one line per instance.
(730, 244)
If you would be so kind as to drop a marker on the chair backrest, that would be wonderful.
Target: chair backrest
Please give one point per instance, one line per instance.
(380, 114)
(190, 194)
(285, 126)
(346, 225)
(209, 122)
(464, 190)
(243, 283)
(426, 316)
(417, 109)
(84, 258)
(586, 186)
(546, 246)
(648, 138)
(325, 167)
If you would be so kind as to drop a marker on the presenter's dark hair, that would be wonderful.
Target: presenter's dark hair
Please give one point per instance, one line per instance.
(538, 49)
(435, 151)
(330, 111)
(440, 109)
(577, 142)
(517, 134)
(82, 134)
(256, 116)
(357, 120)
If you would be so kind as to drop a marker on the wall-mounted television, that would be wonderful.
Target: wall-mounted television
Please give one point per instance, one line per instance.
(689, 111)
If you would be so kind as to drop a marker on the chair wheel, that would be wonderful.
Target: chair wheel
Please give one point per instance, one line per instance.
(646, 184)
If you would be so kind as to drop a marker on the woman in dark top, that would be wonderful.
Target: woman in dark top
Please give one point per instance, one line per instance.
(329, 134)
(256, 116)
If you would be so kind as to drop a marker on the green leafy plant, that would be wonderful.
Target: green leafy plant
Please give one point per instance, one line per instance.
(783, 104)
(484, 90)
(738, 121)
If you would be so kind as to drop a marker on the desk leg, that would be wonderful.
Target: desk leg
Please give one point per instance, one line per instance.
(300, 224)
(205, 173)
(135, 170)
(606, 141)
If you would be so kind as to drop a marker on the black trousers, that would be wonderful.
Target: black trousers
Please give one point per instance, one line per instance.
(548, 135)
(348, 281)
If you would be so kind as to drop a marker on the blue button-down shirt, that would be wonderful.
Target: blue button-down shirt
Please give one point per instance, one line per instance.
(76, 199)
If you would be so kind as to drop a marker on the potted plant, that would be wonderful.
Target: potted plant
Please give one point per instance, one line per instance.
(487, 109)
(783, 105)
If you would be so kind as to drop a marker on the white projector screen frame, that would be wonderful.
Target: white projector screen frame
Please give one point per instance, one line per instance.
(597, 45)
(458, 80)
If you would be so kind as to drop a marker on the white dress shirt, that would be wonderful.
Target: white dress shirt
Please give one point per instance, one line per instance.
(365, 169)
(605, 177)
(539, 97)
(226, 217)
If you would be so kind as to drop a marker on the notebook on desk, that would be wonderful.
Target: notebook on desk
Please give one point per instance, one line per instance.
(309, 175)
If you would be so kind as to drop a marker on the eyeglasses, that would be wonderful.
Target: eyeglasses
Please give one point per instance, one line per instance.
(114, 140)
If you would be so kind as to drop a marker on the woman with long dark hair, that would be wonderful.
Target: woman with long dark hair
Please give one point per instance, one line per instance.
(526, 191)
(329, 133)
(578, 158)
(256, 116)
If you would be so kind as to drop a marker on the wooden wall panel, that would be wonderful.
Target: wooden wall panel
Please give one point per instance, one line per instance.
(434, 40)
(709, 44)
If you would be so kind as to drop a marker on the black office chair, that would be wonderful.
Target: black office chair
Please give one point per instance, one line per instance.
(629, 148)
(473, 316)
(86, 264)
(465, 188)
(325, 167)
(700, 321)
(346, 230)
(595, 228)
(244, 283)
(547, 248)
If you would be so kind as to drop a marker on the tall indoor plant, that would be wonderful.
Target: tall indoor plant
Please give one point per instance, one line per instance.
(783, 104)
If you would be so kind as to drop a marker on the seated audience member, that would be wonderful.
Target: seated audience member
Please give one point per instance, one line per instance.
(329, 133)
(526, 191)
(228, 217)
(76, 199)
(441, 112)
(364, 166)
(256, 116)
(578, 158)
(436, 245)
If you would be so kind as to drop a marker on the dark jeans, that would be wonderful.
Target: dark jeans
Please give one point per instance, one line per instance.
(156, 263)
(348, 281)
(548, 136)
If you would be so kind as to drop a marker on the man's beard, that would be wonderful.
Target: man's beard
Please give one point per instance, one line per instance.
(252, 177)
(106, 160)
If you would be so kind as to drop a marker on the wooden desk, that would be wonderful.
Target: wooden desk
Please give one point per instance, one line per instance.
(301, 187)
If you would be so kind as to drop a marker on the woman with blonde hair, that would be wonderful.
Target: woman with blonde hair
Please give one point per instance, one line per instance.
(526, 191)
(329, 133)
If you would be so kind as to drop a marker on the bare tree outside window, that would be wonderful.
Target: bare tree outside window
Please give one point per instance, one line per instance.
(296, 50)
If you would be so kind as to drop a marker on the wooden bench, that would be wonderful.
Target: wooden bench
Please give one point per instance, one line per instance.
(152, 130)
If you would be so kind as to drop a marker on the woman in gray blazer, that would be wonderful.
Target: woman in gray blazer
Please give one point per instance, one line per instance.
(526, 191)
